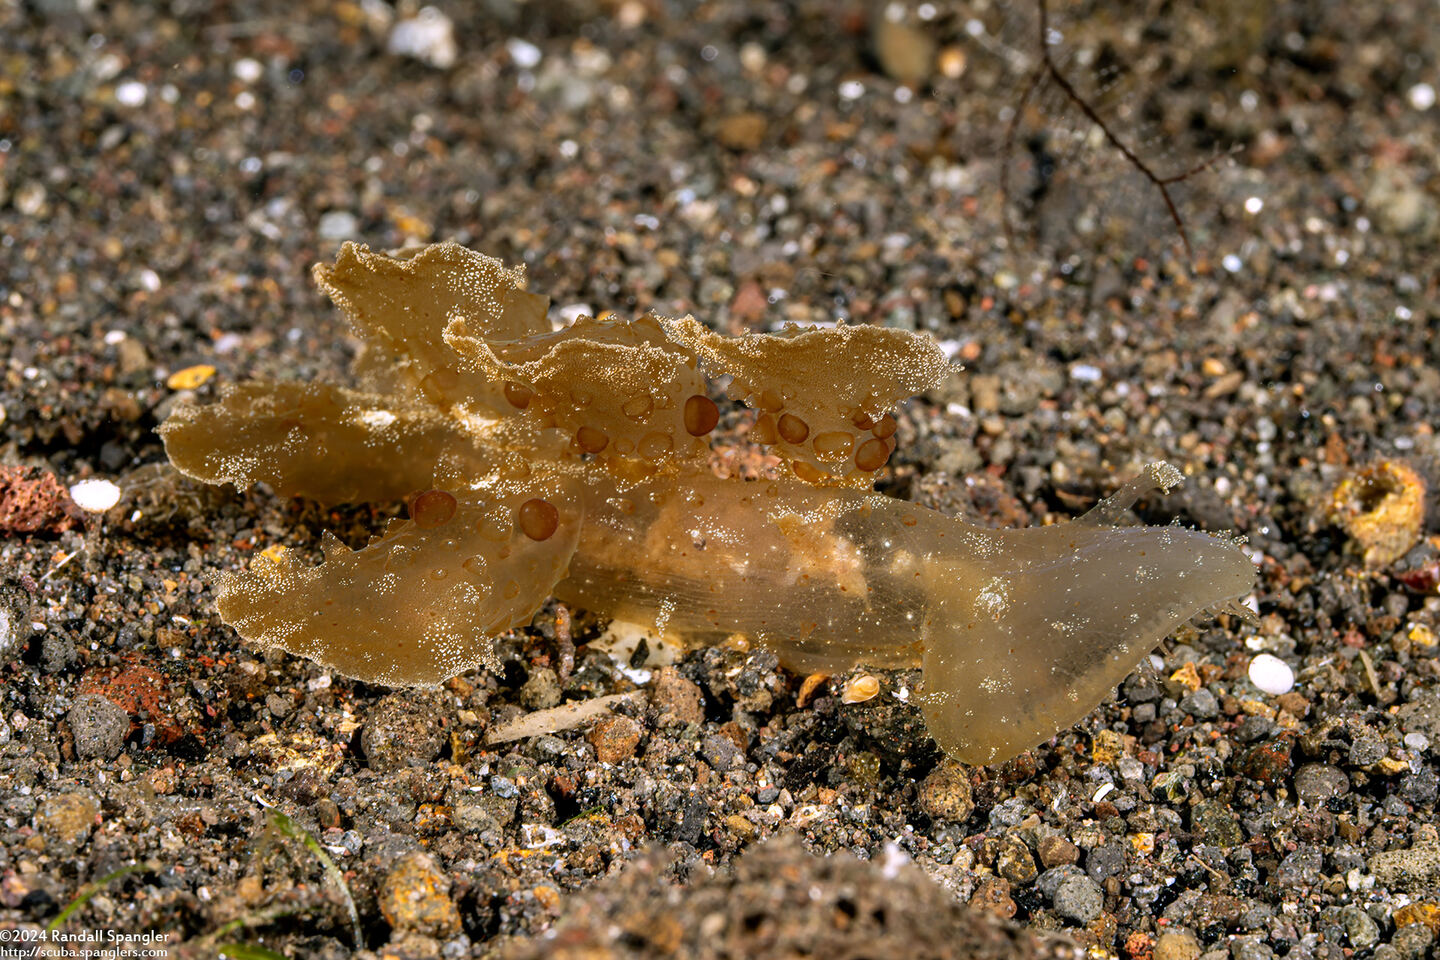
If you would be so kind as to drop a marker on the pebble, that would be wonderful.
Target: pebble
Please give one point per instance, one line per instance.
(1106, 860)
(1055, 851)
(412, 946)
(482, 812)
(1366, 750)
(1317, 782)
(1177, 945)
(945, 794)
(1268, 762)
(66, 820)
(1299, 869)
(401, 728)
(1214, 825)
(429, 37)
(9, 633)
(1271, 674)
(1412, 941)
(1013, 861)
(338, 225)
(1202, 704)
(1049, 882)
(742, 131)
(905, 52)
(1079, 899)
(678, 701)
(95, 496)
(1420, 788)
(415, 898)
(1250, 948)
(523, 53)
(99, 726)
(1416, 869)
(718, 751)
(131, 93)
(1360, 929)
(614, 738)
(992, 895)
(541, 691)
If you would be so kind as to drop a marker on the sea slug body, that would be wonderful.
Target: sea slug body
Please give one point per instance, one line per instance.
(573, 462)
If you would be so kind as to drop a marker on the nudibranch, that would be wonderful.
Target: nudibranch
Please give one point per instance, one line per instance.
(574, 462)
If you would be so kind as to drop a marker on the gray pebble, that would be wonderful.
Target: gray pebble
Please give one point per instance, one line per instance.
(56, 652)
(1051, 879)
(1365, 751)
(1419, 788)
(338, 225)
(1079, 899)
(99, 726)
(1360, 930)
(1317, 782)
(1301, 868)
(1105, 861)
(1412, 940)
(481, 812)
(403, 727)
(1250, 948)
(718, 751)
(1254, 728)
(10, 635)
(1201, 703)
(541, 691)
(1008, 813)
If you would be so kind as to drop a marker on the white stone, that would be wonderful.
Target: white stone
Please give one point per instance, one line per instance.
(132, 93)
(95, 496)
(523, 53)
(247, 70)
(338, 225)
(1271, 674)
(429, 37)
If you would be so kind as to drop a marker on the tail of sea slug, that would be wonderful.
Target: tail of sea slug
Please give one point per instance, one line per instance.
(1061, 615)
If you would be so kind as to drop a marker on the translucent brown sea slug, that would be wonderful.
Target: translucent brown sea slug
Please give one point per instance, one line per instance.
(574, 462)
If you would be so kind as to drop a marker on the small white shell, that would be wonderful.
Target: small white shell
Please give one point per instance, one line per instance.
(861, 688)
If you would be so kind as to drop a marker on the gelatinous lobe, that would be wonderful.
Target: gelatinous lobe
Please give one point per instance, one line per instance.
(399, 306)
(573, 462)
(320, 441)
(822, 393)
(415, 606)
